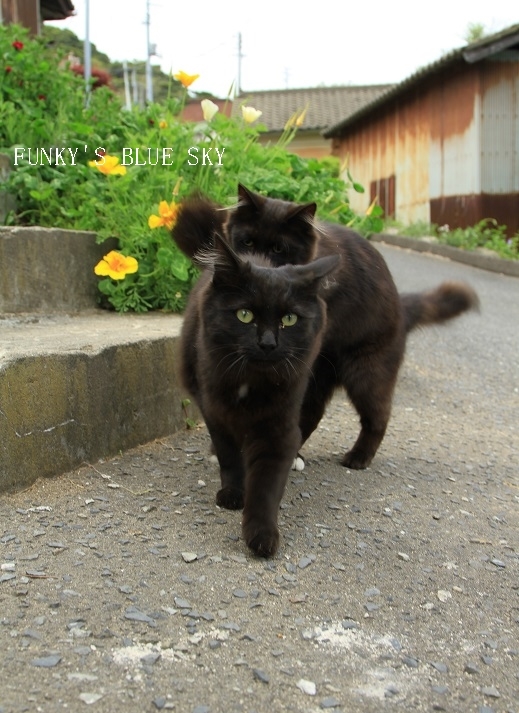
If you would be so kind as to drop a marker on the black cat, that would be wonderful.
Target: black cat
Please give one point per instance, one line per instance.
(251, 334)
(368, 320)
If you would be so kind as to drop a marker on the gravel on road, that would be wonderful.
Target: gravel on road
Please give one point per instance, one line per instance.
(123, 587)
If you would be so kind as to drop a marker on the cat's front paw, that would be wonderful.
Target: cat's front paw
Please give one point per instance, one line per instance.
(230, 498)
(262, 539)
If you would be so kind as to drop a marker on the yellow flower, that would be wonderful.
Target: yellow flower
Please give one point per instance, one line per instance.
(250, 114)
(301, 117)
(167, 215)
(116, 266)
(108, 165)
(186, 80)
(372, 206)
(209, 109)
(163, 124)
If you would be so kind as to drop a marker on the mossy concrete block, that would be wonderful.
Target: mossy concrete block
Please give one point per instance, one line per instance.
(49, 269)
(72, 396)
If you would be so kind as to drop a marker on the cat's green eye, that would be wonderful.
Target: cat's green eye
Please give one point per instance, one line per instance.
(288, 320)
(277, 248)
(248, 243)
(245, 316)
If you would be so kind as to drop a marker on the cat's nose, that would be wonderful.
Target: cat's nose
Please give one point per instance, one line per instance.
(267, 341)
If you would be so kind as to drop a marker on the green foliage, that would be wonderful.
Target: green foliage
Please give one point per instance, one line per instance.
(485, 234)
(160, 160)
(475, 31)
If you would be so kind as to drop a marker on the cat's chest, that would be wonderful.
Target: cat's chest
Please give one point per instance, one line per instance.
(243, 392)
(247, 396)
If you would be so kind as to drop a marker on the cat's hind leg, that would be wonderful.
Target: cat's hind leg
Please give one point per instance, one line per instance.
(370, 384)
(319, 391)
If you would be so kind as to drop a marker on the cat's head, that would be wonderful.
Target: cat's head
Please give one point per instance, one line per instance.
(261, 318)
(281, 230)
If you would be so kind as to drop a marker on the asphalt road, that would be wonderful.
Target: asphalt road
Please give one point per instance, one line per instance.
(124, 588)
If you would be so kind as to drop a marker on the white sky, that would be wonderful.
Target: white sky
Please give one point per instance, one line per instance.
(285, 45)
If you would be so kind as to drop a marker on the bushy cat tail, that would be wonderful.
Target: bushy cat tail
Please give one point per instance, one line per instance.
(197, 221)
(448, 300)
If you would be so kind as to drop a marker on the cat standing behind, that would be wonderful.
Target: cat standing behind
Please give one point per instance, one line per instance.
(367, 320)
(250, 336)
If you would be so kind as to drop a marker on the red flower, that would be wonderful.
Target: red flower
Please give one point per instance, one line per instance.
(8, 69)
(42, 97)
(18, 45)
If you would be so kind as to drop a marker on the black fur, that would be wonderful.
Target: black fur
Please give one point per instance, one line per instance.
(250, 337)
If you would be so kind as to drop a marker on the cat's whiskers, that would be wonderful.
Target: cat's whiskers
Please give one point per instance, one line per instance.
(240, 359)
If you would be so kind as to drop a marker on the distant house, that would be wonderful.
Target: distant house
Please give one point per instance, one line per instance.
(443, 145)
(325, 107)
(31, 13)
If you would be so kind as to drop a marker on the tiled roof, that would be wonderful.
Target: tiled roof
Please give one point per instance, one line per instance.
(505, 41)
(326, 105)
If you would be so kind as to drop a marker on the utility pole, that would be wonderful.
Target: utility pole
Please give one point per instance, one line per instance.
(240, 57)
(127, 97)
(87, 53)
(149, 82)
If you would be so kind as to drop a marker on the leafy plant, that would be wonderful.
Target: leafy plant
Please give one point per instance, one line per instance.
(486, 234)
(123, 173)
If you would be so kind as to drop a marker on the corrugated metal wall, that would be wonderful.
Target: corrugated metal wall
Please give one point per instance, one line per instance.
(452, 144)
(395, 143)
(500, 127)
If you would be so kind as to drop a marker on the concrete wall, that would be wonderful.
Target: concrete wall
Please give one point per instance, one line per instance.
(48, 270)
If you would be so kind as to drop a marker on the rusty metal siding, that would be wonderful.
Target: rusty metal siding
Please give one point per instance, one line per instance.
(394, 144)
(500, 127)
(454, 159)
(452, 144)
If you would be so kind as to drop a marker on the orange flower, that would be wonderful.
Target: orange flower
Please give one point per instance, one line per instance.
(167, 216)
(186, 80)
(116, 266)
(108, 165)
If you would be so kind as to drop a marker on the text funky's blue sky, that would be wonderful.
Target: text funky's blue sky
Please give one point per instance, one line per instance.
(285, 45)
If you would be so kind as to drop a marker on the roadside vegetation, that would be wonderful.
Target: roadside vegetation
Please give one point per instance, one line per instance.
(487, 234)
(92, 165)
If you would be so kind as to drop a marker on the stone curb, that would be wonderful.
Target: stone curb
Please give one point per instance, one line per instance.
(474, 258)
(80, 388)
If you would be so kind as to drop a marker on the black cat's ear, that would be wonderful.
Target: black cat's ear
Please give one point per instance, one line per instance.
(302, 212)
(313, 272)
(249, 199)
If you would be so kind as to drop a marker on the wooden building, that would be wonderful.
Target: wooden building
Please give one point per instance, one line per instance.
(443, 145)
(31, 13)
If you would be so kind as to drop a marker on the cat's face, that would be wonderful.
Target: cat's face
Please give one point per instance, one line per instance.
(261, 318)
(280, 230)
